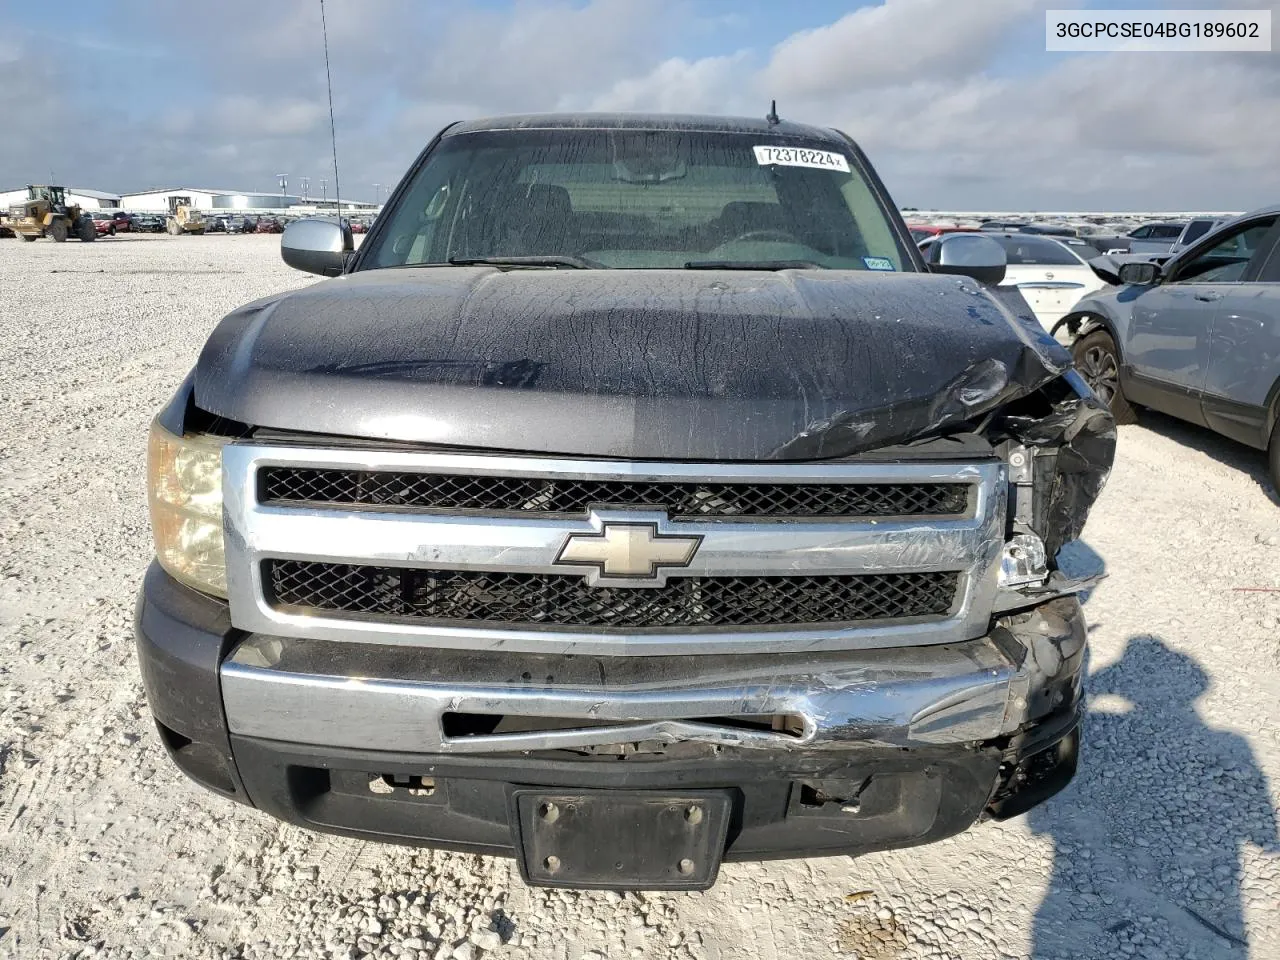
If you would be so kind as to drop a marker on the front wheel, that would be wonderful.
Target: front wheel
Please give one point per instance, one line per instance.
(30, 237)
(1098, 360)
(58, 231)
(85, 229)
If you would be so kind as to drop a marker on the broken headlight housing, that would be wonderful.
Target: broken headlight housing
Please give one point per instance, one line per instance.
(184, 493)
(1060, 444)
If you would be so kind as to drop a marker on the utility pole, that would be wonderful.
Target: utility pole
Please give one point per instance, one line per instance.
(284, 182)
(377, 191)
(306, 187)
(324, 191)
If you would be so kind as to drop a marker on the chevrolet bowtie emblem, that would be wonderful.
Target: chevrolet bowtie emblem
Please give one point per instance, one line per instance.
(628, 554)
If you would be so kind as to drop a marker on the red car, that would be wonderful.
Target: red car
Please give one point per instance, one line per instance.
(269, 225)
(112, 223)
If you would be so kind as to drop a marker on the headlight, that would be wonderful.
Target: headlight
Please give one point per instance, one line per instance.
(184, 492)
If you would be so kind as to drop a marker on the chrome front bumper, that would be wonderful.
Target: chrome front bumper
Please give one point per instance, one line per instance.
(366, 697)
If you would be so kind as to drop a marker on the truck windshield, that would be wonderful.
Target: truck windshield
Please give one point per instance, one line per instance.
(639, 199)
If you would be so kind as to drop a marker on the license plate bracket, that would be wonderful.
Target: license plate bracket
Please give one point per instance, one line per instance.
(612, 840)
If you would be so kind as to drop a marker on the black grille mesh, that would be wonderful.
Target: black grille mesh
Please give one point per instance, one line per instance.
(469, 597)
(685, 498)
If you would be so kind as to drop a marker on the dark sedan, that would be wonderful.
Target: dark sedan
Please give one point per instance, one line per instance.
(147, 223)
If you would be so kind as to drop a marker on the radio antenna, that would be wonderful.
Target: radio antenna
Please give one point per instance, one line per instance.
(773, 118)
(333, 134)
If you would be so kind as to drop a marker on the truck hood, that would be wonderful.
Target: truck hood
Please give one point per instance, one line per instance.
(635, 364)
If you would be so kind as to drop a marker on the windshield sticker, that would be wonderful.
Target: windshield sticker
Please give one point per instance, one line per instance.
(878, 263)
(795, 157)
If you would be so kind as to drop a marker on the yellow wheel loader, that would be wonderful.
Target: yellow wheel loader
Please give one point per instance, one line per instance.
(45, 213)
(184, 219)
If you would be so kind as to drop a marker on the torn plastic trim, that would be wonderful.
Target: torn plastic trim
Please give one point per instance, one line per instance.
(1048, 642)
(1074, 448)
(383, 698)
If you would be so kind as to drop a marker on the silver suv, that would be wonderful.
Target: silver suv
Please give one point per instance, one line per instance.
(1170, 238)
(1197, 337)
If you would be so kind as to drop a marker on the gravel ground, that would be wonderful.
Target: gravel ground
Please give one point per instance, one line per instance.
(1165, 845)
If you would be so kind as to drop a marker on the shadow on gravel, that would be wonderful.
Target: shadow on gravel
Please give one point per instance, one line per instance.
(1148, 838)
(1247, 460)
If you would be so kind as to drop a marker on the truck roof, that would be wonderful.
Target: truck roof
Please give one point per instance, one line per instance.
(648, 121)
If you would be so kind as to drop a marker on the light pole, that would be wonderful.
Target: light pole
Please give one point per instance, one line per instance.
(377, 190)
(284, 182)
(306, 187)
(324, 191)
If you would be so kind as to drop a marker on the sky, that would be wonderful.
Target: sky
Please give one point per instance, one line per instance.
(956, 101)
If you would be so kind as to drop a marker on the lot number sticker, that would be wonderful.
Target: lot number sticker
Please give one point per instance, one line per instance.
(795, 157)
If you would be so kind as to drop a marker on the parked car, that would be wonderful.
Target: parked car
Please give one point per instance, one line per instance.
(148, 223)
(241, 224)
(111, 222)
(1196, 229)
(1047, 229)
(1197, 337)
(1104, 237)
(435, 546)
(215, 223)
(1085, 249)
(1052, 273)
(1156, 237)
(269, 225)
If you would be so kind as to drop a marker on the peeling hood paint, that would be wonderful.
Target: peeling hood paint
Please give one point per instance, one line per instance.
(700, 365)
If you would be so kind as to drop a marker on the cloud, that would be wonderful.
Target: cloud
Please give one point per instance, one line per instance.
(912, 81)
(956, 102)
(276, 117)
(677, 86)
(534, 56)
(897, 42)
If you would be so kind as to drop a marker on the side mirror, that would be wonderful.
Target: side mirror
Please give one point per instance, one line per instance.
(317, 246)
(1142, 274)
(969, 255)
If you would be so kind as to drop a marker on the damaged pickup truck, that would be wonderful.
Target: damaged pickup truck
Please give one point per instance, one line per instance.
(634, 498)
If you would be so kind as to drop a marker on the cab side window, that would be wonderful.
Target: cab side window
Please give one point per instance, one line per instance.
(1228, 259)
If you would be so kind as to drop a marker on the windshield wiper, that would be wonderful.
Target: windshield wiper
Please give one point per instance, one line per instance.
(557, 260)
(753, 265)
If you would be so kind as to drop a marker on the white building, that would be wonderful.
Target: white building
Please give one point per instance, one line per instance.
(88, 199)
(203, 198)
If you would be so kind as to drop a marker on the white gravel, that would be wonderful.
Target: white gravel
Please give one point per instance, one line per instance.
(1165, 846)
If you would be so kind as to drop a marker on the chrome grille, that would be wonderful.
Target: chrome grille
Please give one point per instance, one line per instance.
(438, 549)
(571, 496)
(459, 597)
